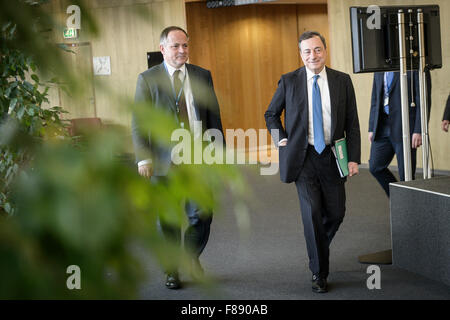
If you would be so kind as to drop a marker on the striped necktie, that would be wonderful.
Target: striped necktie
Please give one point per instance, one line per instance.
(183, 113)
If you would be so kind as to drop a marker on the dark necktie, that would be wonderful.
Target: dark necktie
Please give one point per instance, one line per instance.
(182, 108)
(319, 140)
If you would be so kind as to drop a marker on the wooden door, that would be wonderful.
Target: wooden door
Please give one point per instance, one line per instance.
(79, 98)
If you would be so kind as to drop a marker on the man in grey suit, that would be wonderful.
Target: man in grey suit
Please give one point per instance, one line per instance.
(320, 108)
(186, 93)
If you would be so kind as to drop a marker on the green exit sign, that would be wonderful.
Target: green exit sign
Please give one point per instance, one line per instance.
(70, 33)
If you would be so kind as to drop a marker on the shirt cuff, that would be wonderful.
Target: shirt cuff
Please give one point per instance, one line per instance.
(282, 140)
(144, 162)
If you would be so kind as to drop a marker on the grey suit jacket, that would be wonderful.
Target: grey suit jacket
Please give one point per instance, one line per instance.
(154, 86)
(292, 97)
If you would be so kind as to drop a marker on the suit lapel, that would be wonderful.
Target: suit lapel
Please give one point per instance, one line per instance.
(300, 96)
(333, 87)
(394, 80)
(193, 80)
(302, 87)
(165, 86)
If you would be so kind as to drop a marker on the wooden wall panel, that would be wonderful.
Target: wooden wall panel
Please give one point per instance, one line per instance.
(127, 30)
(339, 17)
(247, 49)
(314, 18)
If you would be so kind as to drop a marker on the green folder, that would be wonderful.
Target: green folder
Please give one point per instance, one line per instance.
(340, 152)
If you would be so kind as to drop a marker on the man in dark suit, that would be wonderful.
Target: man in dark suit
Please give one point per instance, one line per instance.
(446, 116)
(385, 124)
(320, 108)
(186, 92)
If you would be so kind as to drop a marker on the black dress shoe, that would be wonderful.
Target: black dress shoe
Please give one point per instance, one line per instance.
(173, 281)
(319, 284)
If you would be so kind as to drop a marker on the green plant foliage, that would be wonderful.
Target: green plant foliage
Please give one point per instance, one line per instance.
(74, 208)
(87, 207)
(21, 98)
(64, 203)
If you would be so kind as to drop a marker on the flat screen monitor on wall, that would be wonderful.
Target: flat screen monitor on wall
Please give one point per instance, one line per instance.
(375, 46)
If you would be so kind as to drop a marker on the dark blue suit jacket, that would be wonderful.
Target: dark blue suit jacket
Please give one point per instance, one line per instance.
(292, 97)
(395, 107)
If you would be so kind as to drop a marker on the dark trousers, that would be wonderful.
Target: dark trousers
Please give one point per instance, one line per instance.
(382, 152)
(196, 234)
(321, 192)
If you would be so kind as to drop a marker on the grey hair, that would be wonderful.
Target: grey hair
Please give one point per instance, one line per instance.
(166, 31)
(311, 34)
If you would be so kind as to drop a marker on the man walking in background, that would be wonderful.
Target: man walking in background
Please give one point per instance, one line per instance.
(385, 124)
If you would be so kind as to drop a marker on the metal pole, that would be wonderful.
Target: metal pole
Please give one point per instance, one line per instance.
(423, 96)
(404, 96)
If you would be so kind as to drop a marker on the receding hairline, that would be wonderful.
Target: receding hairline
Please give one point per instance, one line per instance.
(165, 33)
(309, 35)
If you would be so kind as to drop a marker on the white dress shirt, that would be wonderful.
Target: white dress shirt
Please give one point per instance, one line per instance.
(186, 89)
(322, 82)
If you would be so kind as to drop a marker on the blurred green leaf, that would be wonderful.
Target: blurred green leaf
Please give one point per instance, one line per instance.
(8, 92)
(13, 29)
(21, 112)
(6, 26)
(67, 201)
(12, 105)
(35, 78)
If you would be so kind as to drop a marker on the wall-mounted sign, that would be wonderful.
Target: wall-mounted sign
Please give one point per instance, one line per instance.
(102, 66)
(70, 33)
